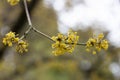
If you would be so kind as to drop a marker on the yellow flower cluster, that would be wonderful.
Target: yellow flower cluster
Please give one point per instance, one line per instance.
(98, 43)
(10, 39)
(13, 2)
(64, 43)
(22, 46)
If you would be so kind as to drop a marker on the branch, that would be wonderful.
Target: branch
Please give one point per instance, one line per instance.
(34, 29)
(30, 24)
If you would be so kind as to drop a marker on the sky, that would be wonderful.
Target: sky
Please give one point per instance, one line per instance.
(100, 15)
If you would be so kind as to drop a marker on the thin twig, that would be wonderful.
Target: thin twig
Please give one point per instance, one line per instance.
(26, 33)
(29, 20)
(42, 33)
(27, 13)
(84, 44)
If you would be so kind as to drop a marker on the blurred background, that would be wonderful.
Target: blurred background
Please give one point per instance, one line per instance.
(53, 16)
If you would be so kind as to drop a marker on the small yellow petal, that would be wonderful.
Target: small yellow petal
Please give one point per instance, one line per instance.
(13, 2)
(94, 52)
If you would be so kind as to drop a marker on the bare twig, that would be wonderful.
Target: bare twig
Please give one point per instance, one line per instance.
(42, 33)
(27, 13)
(84, 44)
(29, 20)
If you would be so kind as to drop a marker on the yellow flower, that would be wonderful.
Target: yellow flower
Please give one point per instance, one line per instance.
(59, 38)
(64, 43)
(22, 46)
(98, 43)
(72, 37)
(13, 2)
(10, 38)
(87, 49)
(94, 52)
(100, 36)
(91, 42)
(104, 44)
